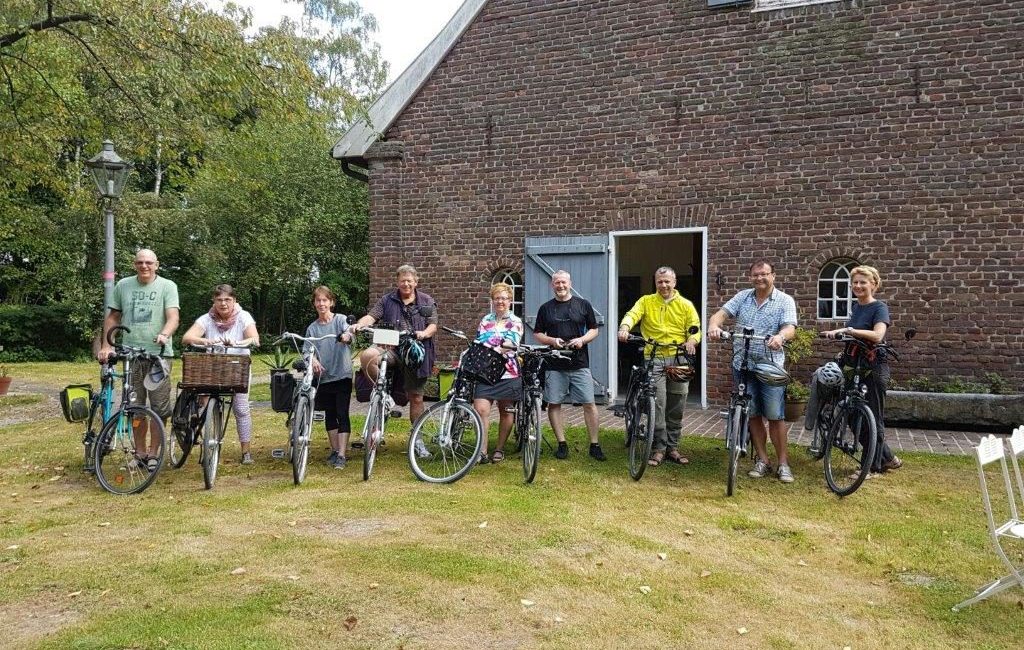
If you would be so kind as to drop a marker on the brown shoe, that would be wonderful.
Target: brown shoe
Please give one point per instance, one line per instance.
(656, 458)
(895, 463)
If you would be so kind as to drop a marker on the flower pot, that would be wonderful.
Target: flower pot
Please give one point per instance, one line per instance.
(795, 410)
(5, 384)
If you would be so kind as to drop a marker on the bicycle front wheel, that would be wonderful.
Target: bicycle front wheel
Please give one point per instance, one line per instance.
(212, 428)
(373, 431)
(445, 442)
(641, 438)
(530, 437)
(849, 449)
(734, 445)
(129, 451)
(302, 422)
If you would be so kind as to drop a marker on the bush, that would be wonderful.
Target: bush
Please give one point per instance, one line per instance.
(41, 333)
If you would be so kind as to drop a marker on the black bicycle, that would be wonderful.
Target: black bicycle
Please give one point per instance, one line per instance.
(737, 417)
(639, 407)
(852, 432)
(527, 410)
(119, 456)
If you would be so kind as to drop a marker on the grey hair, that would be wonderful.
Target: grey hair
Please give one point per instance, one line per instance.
(665, 270)
(407, 268)
(561, 272)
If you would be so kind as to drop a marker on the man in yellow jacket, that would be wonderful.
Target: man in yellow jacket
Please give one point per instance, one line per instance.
(666, 317)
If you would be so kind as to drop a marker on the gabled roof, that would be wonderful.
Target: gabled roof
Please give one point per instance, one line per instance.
(383, 112)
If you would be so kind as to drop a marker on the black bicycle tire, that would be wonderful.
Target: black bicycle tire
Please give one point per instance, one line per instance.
(374, 421)
(108, 430)
(210, 459)
(531, 448)
(417, 430)
(867, 452)
(642, 438)
(300, 434)
(628, 411)
(734, 447)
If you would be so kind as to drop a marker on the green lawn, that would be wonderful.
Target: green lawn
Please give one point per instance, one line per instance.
(563, 563)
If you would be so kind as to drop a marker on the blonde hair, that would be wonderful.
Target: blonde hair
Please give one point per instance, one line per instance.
(870, 272)
(324, 291)
(501, 287)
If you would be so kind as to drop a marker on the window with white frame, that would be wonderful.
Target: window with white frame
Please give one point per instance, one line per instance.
(772, 5)
(515, 280)
(834, 296)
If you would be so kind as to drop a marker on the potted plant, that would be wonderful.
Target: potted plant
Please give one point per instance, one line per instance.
(280, 362)
(797, 392)
(5, 380)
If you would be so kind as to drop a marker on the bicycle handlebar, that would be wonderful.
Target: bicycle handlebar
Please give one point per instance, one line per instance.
(456, 333)
(864, 345)
(115, 330)
(213, 346)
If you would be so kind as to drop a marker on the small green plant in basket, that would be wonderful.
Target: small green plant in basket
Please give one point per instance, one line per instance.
(281, 361)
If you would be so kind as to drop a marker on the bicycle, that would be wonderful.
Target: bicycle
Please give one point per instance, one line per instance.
(115, 459)
(639, 406)
(527, 410)
(101, 403)
(382, 405)
(301, 416)
(446, 438)
(737, 416)
(852, 434)
(199, 411)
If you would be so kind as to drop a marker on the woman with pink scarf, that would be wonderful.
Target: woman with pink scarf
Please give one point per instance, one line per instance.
(228, 324)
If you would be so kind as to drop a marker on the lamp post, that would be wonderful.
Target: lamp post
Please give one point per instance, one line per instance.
(110, 173)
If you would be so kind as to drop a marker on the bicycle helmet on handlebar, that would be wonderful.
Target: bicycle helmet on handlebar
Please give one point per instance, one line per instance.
(410, 351)
(771, 374)
(830, 374)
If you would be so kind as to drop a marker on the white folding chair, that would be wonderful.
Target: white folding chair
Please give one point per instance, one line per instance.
(990, 450)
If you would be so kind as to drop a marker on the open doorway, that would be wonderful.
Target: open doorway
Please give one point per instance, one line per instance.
(635, 255)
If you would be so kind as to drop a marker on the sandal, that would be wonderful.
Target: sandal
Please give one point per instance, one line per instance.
(895, 463)
(675, 457)
(483, 460)
(656, 458)
(497, 457)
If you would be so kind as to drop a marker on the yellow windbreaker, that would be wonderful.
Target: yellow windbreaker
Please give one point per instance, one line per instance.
(664, 322)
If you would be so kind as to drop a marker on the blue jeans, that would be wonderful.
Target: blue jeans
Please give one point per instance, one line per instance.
(768, 401)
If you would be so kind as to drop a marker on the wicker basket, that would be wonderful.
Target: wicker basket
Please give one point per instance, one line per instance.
(226, 373)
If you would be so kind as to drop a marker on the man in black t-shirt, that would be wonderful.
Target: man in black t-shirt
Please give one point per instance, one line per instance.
(568, 322)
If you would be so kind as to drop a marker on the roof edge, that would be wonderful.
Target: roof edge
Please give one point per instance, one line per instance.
(385, 111)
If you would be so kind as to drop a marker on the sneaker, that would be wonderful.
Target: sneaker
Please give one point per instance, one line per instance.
(562, 452)
(483, 460)
(338, 462)
(761, 469)
(421, 450)
(247, 458)
(136, 463)
(152, 464)
(785, 474)
(595, 452)
(333, 457)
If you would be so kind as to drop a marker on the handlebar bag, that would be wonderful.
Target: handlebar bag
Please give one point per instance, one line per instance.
(483, 363)
(282, 392)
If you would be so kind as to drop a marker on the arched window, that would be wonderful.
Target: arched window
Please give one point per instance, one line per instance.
(834, 296)
(515, 280)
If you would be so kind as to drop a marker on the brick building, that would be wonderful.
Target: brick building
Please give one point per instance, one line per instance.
(613, 136)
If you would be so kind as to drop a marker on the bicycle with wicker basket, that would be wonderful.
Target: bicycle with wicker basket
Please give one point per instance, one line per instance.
(210, 379)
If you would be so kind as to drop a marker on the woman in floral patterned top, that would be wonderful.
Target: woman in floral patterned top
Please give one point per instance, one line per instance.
(498, 327)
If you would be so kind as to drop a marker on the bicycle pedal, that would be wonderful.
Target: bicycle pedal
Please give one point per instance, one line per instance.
(395, 414)
(724, 414)
(617, 411)
(277, 453)
(318, 416)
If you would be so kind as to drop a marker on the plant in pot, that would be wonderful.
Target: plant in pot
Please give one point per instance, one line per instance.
(5, 380)
(797, 391)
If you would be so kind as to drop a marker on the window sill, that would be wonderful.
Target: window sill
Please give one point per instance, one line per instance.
(762, 7)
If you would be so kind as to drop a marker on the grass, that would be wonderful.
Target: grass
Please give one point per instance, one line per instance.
(405, 564)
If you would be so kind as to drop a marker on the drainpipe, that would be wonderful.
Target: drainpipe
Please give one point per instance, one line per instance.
(354, 172)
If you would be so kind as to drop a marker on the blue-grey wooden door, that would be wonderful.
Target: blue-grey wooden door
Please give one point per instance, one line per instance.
(585, 257)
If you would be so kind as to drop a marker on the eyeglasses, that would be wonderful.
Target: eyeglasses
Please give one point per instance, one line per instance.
(501, 299)
(228, 299)
(144, 263)
(761, 275)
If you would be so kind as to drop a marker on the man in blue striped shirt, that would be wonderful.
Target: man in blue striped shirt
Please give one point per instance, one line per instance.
(770, 313)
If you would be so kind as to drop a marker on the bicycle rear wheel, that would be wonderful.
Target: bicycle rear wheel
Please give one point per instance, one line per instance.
(530, 436)
(641, 438)
(212, 430)
(183, 433)
(734, 443)
(849, 449)
(120, 467)
(373, 431)
(302, 422)
(445, 442)
(822, 425)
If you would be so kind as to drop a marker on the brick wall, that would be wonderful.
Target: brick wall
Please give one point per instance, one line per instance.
(889, 132)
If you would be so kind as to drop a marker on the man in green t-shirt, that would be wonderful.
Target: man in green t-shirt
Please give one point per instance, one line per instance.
(147, 304)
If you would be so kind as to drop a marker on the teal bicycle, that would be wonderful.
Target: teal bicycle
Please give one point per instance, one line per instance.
(122, 459)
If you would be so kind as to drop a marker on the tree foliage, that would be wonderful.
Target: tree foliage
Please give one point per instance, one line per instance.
(229, 130)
